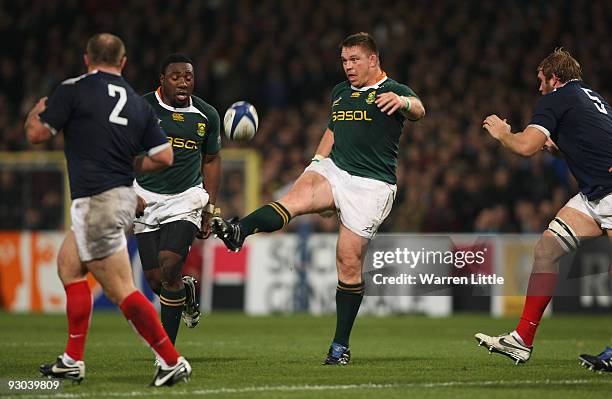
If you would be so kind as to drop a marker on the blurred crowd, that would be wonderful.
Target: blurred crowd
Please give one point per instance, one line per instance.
(464, 59)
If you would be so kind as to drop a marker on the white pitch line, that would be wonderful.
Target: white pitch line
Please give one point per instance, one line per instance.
(294, 388)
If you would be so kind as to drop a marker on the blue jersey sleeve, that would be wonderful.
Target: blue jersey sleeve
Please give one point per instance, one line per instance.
(59, 107)
(546, 115)
(153, 137)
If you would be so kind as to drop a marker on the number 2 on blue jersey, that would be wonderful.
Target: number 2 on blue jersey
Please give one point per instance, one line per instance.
(114, 115)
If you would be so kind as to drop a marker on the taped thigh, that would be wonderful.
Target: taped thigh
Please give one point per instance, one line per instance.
(564, 234)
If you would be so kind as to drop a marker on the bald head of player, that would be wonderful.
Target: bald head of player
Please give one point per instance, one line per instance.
(176, 78)
(105, 52)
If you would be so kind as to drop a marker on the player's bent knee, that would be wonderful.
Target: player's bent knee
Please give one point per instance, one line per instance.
(172, 281)
(69, 266)
(70, 272)
(309, 194)
(565, 235)
(171, 267)
(295, 203)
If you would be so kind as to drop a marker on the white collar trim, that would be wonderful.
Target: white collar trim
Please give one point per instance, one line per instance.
(374, 86)
(569, 81)
(110, 73)
(72, 81)
(190, 108)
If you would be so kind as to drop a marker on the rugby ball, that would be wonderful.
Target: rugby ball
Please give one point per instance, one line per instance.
(240, 121)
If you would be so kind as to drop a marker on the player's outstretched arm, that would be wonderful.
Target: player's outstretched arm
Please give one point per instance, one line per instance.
(36, 131)
(154, 161)
(411, 107)
(415, 109)
(211, 170)
(325, 145)
(525, 143)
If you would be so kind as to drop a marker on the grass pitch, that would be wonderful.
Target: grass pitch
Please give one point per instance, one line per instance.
(279, 357)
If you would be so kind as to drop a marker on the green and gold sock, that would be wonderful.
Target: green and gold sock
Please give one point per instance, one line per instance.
(171, 309)
(266, 219)
(348, 300)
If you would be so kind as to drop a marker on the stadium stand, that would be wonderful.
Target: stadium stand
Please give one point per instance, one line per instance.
(452, 176)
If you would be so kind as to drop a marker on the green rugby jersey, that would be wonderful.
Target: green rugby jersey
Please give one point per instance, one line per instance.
(193, 132)
(366, 140)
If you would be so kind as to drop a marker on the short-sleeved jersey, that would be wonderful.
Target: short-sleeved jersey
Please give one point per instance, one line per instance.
(579, 121)
(193, 132)
(366, 140)
(105, 124)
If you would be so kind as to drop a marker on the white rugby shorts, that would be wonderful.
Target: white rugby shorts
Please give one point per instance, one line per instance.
(166, 208)
(100, 222)
(362, 204)
(600, 210)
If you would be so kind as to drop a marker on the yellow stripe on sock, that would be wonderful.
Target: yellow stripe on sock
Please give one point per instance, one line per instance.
(279, 210)
(284, 211)
(172, 302)
(349, 289)
(173, 305)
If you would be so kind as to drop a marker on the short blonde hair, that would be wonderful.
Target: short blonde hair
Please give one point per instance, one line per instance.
(561, 64)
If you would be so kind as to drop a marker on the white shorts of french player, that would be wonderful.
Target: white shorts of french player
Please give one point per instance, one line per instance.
(362, 204)
(600, 210)
(166, 208)
(100, 222)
